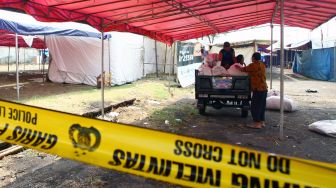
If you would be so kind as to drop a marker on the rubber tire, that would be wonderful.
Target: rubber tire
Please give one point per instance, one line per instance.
(244, 113)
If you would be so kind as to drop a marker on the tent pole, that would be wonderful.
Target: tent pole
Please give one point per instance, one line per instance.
(8, 57)
(102, 74)
(173, 49)
(19, 57)
(156, 61)
(143, 56)
(282, 70)
(109, 56)
(173, 66)
(255, 46)
(285, 59)
(44, 59)
(271, 59)
(24, 59)
(40, 60)
(164, 67)
(17, 66)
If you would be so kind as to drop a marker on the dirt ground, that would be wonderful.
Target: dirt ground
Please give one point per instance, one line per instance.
(154, 106)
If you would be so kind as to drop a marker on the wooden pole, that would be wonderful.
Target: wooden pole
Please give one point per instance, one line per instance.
(109, 58)
(8, 57)
(44, 58)
(156, 61)
(41, 57)
(143, 57)
(24, 59)
(164, 67)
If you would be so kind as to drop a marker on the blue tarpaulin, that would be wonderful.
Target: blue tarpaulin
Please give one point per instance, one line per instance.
(318, 64)
(26, 25)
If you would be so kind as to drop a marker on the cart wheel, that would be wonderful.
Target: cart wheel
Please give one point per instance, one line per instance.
(244, 112)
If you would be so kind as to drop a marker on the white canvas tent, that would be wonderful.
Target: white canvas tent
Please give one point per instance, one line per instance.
(164, 59)
(75, 59)
(127, 57)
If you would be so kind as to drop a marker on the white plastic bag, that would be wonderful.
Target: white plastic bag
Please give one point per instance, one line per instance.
(234, 71)
(210, 60)
(327, 127)
(219, 71)
(273, 103)
(273, 93)
(205, 70)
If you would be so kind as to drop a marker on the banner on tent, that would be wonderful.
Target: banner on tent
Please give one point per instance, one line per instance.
(189, 58)
(154, 154)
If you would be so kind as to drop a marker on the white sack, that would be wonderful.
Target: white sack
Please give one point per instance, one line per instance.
(273, 103)
(327, 127)
(234, 71)
(219, 71)
(273, 93)
(205, 70)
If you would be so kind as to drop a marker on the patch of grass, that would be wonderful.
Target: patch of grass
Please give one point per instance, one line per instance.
(80, 101)
(173, 112)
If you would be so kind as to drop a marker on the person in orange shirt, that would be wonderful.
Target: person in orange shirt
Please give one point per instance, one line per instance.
(257, 73)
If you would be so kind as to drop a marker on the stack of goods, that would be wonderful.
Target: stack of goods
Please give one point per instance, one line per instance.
(234, 71)
(213, 56)
(206, 68)
(219, 71)
(212, 67)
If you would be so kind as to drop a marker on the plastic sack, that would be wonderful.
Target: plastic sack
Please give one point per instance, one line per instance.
(234, 71)
(213, 56)
(210, 61)
(219, 71)
(327, 127)
(273, 103)
(205, 70)
(273, 93)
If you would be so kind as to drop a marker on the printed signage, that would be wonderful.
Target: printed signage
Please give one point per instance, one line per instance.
(189, 58)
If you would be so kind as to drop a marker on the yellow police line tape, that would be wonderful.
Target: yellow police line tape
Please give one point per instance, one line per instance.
(154, 154)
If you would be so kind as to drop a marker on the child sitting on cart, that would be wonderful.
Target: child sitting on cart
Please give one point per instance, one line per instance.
(240, 60)
(257, 73)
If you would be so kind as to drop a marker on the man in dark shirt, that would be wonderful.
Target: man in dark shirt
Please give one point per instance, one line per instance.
(227, 55)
